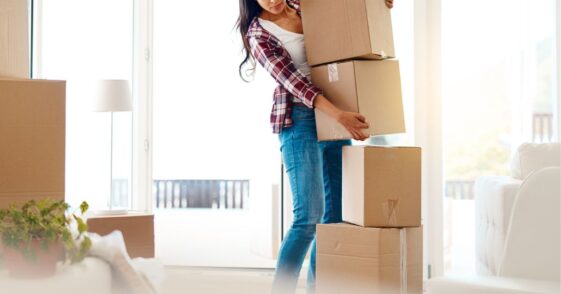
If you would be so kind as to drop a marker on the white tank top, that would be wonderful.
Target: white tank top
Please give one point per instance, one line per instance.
(294, 45)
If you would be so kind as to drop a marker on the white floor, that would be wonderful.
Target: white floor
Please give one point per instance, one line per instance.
(216, 251)
(459, 237)
(180, 280)
(212, 238)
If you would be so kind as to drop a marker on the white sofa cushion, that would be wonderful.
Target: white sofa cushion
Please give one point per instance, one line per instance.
(70, 278)
(533, 245)
(128, 278)
(494, 197)
(531, 156)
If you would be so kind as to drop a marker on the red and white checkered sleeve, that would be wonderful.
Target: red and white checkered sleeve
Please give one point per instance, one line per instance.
(279, 64)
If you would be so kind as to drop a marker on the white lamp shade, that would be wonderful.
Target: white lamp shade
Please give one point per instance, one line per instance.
(112, 96)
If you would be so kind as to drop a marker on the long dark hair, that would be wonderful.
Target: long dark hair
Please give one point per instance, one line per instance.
(249, 9)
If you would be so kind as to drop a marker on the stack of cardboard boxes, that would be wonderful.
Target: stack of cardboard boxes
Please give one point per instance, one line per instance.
(378, 248)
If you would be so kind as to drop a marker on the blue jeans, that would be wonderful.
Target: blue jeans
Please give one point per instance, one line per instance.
(314, 172)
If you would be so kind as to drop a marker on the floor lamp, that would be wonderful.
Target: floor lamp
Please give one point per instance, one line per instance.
(112, 96)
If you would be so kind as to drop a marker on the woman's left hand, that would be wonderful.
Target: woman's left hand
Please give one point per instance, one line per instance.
(389, 3)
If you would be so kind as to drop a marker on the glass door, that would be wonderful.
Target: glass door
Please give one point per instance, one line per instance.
(216, 164)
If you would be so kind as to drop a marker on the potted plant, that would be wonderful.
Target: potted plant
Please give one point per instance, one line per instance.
(38, 234)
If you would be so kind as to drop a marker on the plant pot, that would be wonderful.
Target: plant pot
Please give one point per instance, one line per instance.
(43, 266)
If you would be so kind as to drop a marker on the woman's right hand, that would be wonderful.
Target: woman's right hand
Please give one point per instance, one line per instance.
(354, 123)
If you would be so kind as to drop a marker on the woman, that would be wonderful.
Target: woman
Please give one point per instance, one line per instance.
(272, 34)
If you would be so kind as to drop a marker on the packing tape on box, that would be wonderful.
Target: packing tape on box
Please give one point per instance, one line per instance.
(389, 209)
(333, 72)
(403, 260)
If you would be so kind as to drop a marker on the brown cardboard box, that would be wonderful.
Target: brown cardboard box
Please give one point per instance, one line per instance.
(137, 229)
(372, 88)
(382, 186)
(14, 49)
(353, 259)
(336, 30)
(32, 136)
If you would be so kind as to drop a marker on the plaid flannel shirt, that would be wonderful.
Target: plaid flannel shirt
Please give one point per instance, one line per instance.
(271, 54)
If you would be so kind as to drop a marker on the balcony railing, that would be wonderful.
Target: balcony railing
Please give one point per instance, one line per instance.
(542, 127)
(459, 190)
(218, 194)
(233, 194)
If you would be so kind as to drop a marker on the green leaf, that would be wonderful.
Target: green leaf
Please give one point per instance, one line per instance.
(86, 243)
(84, 207)
(46, 221)
(82, 227)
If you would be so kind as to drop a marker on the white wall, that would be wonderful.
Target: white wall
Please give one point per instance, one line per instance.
(558, 72)
(428, 128)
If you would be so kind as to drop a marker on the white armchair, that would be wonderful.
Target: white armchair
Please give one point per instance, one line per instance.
(518, 229)
(494, 198)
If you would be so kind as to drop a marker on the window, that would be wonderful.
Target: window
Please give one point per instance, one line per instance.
(498, 91)
(81, 42)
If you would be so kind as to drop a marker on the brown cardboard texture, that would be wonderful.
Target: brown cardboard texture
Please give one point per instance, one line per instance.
(14, 48)
(382, 186)
(137, 229)
(353, 259)
(336, 30)
(32, 132)
(372, 88)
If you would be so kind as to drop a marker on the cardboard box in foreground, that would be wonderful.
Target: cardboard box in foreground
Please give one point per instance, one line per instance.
(382, 186)
(353, 259)
(370, 87)
(336, 30)
(32, 136)
(137, 230)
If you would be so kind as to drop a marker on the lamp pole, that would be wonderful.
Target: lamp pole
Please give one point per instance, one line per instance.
(112, 96)
(111, 166)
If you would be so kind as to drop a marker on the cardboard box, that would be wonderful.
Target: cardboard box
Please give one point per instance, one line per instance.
(372, 88)
(14, 39)
(336, 30)
(137, 229)
(382, 186)
(353, 259)
(32, 136)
